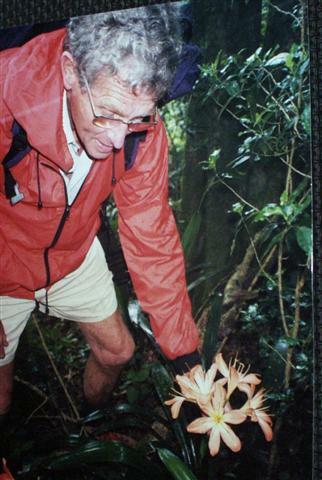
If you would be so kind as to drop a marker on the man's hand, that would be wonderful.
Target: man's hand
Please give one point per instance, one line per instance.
(3, 341)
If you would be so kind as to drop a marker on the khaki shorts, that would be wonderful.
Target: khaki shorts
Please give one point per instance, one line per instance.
(85, 295)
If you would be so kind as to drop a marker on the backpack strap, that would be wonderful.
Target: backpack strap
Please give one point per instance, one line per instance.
(131, 146)
(19, 148)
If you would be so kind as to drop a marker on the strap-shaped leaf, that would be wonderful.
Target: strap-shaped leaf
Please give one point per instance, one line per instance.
(95, 452)
(175, 466)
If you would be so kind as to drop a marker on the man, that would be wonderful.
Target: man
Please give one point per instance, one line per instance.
(79, 96)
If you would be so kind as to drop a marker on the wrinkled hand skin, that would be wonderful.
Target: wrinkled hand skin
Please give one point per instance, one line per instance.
(3, 341)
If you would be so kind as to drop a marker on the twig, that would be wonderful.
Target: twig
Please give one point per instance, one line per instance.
(43, 342)
(285, 360)
(237, 195)
(297, 320)
(280, 287)
(31, 387)
(36, 410)
(279, 421)
(288, 186)
(280, 106)
(294, 169)
(57, 417)
(284, 11)
(262, 267)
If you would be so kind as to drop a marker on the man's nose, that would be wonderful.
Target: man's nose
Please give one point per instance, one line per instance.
(117, 134)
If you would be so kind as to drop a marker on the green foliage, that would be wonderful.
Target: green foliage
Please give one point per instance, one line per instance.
(211, 331)
(268, 94)
(137, 385)
(94, 452)
(175, 466)
(174, 115)
(190, 235)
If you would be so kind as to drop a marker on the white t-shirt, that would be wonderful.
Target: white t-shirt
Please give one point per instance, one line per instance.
(82, 163)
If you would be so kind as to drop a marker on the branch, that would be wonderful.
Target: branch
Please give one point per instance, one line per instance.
(253, 244)
(284, 12)
(237, 195)
(280, 287)
(262, 267)
(43, 342)
(297, 320)
(31, 387)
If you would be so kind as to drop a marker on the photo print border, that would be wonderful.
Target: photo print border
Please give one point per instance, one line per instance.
(15, 13)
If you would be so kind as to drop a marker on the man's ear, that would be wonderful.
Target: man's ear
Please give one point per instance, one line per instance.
(69, 71)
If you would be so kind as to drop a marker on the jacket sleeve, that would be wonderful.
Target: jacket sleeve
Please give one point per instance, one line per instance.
(152, 247)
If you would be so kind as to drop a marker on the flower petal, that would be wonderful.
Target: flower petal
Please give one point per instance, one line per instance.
(214, 441)
(258, 399)
(235, 417)
(221, 364)
(251, 392)
(230, 438)
(176, 404)
(245, 387)
(200, 425)
(233, 380)
(187, 387)
(267, 430)
(252, 378)
(199, 376)
(210, 375)
(218, 397)
(222, 381)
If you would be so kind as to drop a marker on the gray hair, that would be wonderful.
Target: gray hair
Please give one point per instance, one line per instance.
(147, 38)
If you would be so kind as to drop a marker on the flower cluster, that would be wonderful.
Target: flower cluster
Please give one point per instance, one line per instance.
(213, 398)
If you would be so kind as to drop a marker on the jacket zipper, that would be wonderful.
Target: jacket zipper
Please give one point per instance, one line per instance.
(60, 226)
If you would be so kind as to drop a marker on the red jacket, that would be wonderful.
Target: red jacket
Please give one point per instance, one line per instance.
(41, 245)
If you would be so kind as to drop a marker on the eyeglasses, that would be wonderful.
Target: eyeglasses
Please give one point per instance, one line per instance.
(107, 121)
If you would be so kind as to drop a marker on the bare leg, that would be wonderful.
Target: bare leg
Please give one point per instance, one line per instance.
(6, 386)
(112, 347)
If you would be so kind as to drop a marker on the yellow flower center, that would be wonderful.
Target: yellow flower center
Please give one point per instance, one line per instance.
(217, 417)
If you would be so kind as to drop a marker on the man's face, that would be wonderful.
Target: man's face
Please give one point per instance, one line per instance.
(111, 97)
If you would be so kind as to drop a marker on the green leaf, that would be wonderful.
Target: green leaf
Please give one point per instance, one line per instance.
(271, 209)
(238, 207)
(289, 61)
(233, 88)
(191, 233)
(201, 279)
(304, 239)
(163, 384)
(240, 160)
(284, 198)
(209, 345)
(126, 423)
(125, 409)
(306, 119)
(278, 60)
(141, 375)
(95, 451)
(290, 341)
(132, 394)
(162, 381)
(175, 466)
(213, 158)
